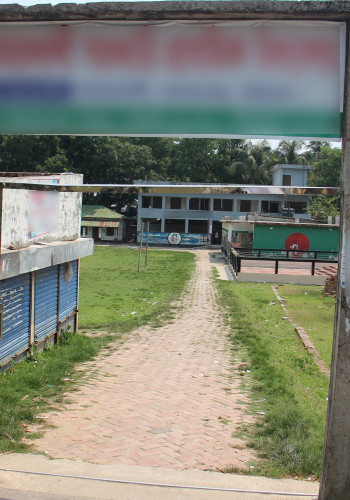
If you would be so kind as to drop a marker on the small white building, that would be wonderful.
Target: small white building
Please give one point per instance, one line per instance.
(290, 175)
(102, 224)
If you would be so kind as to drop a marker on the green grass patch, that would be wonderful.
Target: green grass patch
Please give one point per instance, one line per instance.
(114, 295)
(33, 386)
(288, 391)
(314, 312)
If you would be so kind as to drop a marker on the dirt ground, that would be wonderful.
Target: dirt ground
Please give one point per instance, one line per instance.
(166, 397)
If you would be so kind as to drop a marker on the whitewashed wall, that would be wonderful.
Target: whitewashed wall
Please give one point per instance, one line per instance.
(16, 212)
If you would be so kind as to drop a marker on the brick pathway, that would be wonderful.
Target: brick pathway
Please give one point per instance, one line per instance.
(167, 397)
(301, 268)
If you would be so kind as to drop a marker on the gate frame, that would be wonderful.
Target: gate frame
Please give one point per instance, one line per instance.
(335, 480)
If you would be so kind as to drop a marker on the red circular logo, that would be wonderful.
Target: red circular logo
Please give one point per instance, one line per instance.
(297, 241)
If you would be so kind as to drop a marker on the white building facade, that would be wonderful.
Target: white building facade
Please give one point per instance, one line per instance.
(194, 212)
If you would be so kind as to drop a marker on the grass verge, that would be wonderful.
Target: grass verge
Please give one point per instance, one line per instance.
(114, 295)
(314, 312)
(289, 394)
(33, 386)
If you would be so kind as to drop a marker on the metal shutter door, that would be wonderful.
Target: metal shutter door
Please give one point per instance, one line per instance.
(15, 293)
(46, 297)
(68, 291)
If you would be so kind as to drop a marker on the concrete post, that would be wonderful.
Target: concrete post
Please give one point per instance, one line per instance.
(335, 480)
(162, 225)
(140, 248)
(186, 225)
(146, 257)
(235, 206)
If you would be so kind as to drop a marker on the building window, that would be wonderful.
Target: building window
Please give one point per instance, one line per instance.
(227, 205)
(299, 206)
(245, 205)
(110, 231)
(174, 225)
(198, 226)
(270, 207)
(217, 205)
(157, 202)
(223, 205)
(199, 204)
(287, 180)
(152, 202)
(146, 202)
(175, 203)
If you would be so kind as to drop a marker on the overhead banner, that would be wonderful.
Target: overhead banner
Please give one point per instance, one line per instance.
(227, 79)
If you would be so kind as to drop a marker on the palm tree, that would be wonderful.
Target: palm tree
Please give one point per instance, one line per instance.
(315, 148)
(254, 164)
(288, 152)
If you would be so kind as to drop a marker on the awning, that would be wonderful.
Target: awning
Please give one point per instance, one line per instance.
(98, 223)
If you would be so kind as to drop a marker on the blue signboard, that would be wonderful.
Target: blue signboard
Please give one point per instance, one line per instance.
(175, 239)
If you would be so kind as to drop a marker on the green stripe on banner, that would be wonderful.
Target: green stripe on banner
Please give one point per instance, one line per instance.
(169, 121)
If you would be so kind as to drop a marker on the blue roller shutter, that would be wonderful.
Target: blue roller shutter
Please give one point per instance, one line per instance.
(46, 297)
(15, 293)
(68, 291)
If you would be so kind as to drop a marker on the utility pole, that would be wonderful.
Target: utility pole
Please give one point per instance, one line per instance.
(335, 479)
(140, 249)
(146, 257)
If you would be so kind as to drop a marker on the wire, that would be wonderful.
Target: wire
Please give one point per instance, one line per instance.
(163, 485)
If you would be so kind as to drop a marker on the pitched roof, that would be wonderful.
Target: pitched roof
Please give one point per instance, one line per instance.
(99, 212)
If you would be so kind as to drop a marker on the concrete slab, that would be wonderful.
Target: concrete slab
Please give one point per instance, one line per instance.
(17, 485)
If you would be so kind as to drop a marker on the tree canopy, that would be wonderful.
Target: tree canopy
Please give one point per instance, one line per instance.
(124, 160)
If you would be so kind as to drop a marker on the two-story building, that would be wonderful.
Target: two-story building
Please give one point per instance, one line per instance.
(193, 212)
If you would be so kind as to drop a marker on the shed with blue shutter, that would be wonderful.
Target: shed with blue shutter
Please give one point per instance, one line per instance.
(39, 263)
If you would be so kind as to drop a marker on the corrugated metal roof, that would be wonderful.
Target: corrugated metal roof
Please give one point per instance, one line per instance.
(99, 212)
(171, 188)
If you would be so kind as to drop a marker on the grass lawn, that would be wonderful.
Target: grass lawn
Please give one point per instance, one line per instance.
(114, 295)
(314, 312)
(287, 388)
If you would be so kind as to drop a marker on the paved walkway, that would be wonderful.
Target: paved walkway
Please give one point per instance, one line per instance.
(167, 397)
(293, 268)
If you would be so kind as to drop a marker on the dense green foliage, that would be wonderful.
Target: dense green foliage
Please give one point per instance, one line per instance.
(327, 167)
(322, 206)
(123, 160)
(288, 390)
